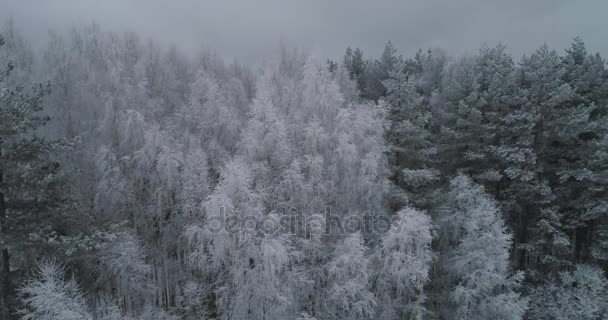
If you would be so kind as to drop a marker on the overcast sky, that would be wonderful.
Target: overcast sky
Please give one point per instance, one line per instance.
(245, 29)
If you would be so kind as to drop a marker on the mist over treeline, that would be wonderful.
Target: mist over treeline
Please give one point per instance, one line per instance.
(138, 182)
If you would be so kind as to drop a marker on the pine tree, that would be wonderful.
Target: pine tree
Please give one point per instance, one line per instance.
(410, 138)
(49, 296)
(473, 104)
(354, 63)
(377, 71)
(30, 180)
(584, 181)
(579, 294)
(554, 145)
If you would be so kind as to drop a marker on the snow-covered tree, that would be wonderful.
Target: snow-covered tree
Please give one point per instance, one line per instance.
(250, 266)
(476, 259)
(264, 138)
(349, 295)
(580, 295)
(377, 71)
(32, 185)
(209, 115)
(405, 261)
(49, 296)
(410, 137)
(259, 278)
(585, 166)
(355, 65)
(195, 182)
(123, 266)
(550, 246)
(200, 189)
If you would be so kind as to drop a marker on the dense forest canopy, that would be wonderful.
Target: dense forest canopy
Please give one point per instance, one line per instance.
(137, 182)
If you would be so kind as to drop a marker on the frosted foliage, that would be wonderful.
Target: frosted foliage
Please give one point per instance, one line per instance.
(578, 295)
(107, 309)
(49, 296)
(265, 136)
(132, 131)
(179, 186)
(406, 258)
(478, 264)
(123, 264)
(195, 181)
(260, 288)
(321, 94)
(349, 296)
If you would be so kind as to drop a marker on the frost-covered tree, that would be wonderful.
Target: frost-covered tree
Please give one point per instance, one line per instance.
(377, 71)
(17, 52)
(476, 260)
(585, 165)
(550, 245)
(209, 115)
(580, 294)
(321, 94)
(473, 101)
(250, 268)
(211, 190)
(261, 287)
(410, 138)
(405, 261)
(349, 295)
(49, 296)
(347, 85)
(354, 63)
(32, 189)
(195, 185)
(123, 266)
(264, 138)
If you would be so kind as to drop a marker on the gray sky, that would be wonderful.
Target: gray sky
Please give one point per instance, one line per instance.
(245, 29)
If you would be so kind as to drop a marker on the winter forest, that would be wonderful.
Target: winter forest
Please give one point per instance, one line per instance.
(137, 182)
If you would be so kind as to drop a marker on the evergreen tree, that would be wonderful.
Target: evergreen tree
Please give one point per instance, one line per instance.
(377, 71)
(410, 138)
(584, 183)
(554, 145)
(355, 64)
(50, 297)
(31, 184)
(579, 294)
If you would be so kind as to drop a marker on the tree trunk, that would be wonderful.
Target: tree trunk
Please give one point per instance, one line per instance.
(7, 306)
(582, 243)
(523, 237)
